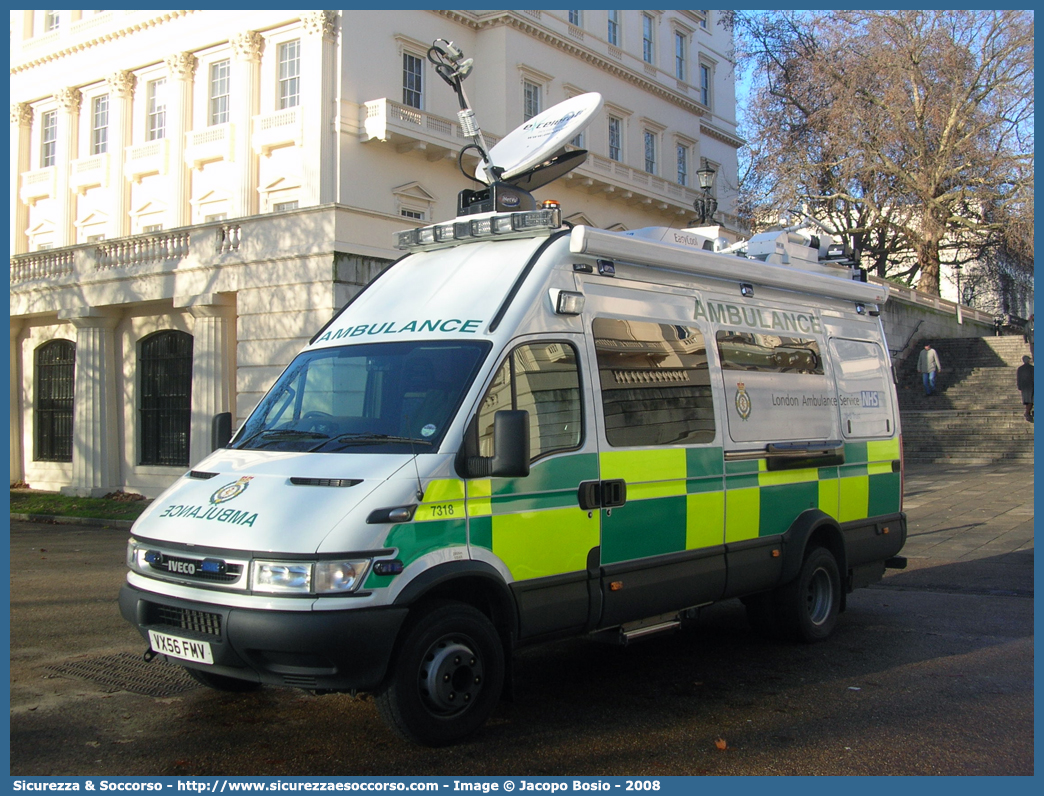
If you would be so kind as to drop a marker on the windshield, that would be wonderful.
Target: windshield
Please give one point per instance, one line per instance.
(377, 398)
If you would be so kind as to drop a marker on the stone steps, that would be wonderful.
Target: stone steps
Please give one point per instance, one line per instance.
(975, 415)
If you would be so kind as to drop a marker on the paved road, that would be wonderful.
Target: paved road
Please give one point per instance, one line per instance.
(930, 672)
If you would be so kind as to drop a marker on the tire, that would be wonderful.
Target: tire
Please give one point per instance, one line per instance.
(808, 606)
(220, 682)
(446, 677)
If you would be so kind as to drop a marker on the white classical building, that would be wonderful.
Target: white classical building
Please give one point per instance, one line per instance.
(194, 193)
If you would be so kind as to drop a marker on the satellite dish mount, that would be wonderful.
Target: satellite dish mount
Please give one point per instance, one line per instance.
(529, 157)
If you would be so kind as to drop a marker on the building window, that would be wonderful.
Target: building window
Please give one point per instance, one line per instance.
(680, 62)
(282, 207)
(647, 39)
(656, 388)
(220, 75)
(650, 151)
(52, 20)
(412, 68)
(152, 228)
(705, 85)
(290, 74)
(48, 138)
(683, 164)
(165, 403)
(96, 238)
(415, 215)
(214, 217)
(615, 138)
(53, 413)
(703, 22)
(613, 32)
(531, 100)
(156, 99)
(100, 125)
(575, 18)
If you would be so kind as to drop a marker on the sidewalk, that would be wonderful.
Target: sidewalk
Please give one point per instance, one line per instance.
(969, 530)
(962, 513)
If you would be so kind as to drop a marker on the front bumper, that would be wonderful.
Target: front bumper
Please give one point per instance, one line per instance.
(324, 650)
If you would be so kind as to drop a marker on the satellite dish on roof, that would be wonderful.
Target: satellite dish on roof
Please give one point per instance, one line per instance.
(539, 144)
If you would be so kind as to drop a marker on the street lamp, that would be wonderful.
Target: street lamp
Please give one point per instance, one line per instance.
(705, 205)
(957, 269)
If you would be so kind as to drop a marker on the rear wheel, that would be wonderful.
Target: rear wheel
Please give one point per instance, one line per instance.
(220, 682)
(447, 676)
(808, 606)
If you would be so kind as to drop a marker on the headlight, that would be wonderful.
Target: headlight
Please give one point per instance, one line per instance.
(282, 577)
(132, 554)
(337, 577)
(306, 577)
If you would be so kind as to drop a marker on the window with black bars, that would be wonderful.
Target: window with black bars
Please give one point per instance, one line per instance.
(412, 70)
(165, 404)
(55, 382)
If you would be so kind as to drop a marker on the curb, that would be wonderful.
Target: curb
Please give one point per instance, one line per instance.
(123, 525)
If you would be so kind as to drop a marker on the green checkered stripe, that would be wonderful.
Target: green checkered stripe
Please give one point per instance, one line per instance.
(677, 499)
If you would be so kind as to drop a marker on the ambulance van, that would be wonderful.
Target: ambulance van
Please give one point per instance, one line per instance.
(523, 431)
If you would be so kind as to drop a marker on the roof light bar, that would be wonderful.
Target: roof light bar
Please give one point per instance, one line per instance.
(492, 226)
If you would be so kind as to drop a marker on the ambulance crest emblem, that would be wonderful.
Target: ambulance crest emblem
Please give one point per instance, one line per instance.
(743, 405)
(229, 491)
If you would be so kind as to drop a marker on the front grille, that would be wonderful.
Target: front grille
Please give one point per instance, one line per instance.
(232, 572)
(201, 622)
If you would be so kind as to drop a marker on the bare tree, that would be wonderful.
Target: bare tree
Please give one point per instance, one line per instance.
(910, 131)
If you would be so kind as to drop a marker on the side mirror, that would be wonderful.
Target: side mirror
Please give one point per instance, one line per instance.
(220, 430)
(510, 457)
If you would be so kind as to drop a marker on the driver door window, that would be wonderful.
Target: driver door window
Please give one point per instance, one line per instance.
(544, 380)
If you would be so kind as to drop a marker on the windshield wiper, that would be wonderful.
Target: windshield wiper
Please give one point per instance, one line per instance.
(284, 433)
(368, 439)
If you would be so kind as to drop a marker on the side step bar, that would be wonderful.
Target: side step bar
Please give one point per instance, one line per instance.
(895, 562)
(621, 637)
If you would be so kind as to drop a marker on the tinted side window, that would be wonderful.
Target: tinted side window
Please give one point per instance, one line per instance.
(768, 353)
(655, 383)
(544, 380)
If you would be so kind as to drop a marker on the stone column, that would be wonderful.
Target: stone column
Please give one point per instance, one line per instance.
(17, 457)
(244, 106)
(212, 367)
(21, 143)
(182, 69)
(68, 148)
(95, 465)
(319, 101)
(121, 88)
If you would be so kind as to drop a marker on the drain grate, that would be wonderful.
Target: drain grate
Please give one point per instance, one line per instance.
(127, 672)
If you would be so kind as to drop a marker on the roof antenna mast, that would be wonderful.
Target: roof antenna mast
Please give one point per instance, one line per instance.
(452, 67)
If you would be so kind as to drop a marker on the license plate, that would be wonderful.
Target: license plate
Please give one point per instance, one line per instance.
(183, 648)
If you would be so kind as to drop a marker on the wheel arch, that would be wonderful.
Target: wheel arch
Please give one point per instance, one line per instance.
(812, 528)
(473, 583)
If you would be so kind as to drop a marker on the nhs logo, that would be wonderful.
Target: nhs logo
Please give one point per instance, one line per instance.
(870, 399)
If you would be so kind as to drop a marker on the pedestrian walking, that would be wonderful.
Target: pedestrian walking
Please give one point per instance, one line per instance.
(1024, 381)
(928, 366)
(1027, 333)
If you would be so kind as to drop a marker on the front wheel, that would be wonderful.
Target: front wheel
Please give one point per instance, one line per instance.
(447, 676)
(808, 606)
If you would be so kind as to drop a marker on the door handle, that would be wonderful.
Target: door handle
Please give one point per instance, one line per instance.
(602, 494)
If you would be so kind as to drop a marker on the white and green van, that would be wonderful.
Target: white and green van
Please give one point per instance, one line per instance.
(523, 431)
(519, 432)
